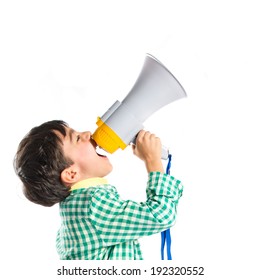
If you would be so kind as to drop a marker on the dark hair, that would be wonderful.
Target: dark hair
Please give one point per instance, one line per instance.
(39, 162)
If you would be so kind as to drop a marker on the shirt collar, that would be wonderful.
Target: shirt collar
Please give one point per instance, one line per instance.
(91, 182)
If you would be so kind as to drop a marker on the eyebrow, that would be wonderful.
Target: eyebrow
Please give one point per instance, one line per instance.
(71, 131)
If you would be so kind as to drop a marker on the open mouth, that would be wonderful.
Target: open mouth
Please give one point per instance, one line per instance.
(100, 152)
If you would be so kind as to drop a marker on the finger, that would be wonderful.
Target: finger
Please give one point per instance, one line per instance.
(152, 136)
(140, 134)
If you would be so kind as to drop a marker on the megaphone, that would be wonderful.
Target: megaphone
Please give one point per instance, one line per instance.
(154, 88)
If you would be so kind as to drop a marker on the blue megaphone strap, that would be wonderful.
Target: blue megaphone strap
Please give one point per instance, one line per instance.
(166, 235)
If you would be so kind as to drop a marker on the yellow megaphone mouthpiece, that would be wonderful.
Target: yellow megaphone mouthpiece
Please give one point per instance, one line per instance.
(106, 138)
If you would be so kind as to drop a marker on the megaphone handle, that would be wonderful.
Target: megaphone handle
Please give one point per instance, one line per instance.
(165, 153)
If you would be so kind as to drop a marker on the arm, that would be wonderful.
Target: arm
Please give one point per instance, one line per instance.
(118, 220)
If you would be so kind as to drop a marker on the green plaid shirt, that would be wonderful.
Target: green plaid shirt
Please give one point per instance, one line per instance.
(98, 225)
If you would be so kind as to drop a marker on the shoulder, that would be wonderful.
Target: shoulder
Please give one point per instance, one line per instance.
(104, 192)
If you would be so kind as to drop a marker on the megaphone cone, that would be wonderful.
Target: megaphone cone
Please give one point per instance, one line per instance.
(154, 88)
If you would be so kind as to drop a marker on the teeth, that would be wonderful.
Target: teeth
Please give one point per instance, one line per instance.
(101, 152)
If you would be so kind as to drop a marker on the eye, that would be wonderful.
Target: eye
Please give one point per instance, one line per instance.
(78, 138)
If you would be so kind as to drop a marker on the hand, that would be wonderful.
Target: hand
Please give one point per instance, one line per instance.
(148, 148)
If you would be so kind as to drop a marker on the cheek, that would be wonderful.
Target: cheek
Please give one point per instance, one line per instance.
(86, 156)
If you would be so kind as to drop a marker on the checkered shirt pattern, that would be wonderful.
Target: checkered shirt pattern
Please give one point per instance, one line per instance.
(98, 225)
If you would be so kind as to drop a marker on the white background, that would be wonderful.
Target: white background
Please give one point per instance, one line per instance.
(71, 60)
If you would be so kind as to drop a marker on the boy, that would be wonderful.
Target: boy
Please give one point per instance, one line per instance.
(59, 165)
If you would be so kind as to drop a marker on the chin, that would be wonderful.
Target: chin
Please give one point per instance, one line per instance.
(110, 170)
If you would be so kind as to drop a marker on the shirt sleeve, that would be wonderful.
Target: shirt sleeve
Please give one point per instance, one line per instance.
(118, 220)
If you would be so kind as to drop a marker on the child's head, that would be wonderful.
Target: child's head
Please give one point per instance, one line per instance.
(52, 157)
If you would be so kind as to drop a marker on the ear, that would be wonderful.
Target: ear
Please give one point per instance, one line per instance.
(70, 175)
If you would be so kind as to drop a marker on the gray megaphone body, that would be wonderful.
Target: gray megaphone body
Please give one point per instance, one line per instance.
(154, 88)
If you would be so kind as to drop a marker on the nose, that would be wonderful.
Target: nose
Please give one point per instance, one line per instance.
(86, 135)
